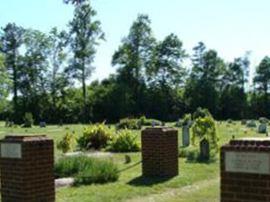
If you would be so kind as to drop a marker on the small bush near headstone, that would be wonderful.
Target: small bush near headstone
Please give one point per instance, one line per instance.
(229, 121)
(200, 113)
(95, 137)
(127, 123)
(243, 122)
(86, 170)
(251, 124)
(28, 120)
(67, 143)
(143, 121)
(204, 129)
(124, 141)
(179, 123)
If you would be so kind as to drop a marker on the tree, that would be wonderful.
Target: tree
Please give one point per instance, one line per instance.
(233, 99)
(58, 55)
(133, 58)
(33, 75)
(166, 76)
(85, 34)
(11, 39)
(204, 81)
(4, 84)
(262, 82)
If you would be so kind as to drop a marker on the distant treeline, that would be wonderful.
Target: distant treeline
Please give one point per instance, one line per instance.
(41, 72)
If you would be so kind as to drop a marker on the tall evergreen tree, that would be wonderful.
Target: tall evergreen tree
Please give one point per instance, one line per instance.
(85, 34)
(11, 39)
(133, 58)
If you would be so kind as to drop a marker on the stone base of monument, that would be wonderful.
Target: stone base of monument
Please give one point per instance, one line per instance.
(245, 170)
(160, 152)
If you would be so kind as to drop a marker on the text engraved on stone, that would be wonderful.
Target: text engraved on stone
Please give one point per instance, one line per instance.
(247, 162)
(11, 150)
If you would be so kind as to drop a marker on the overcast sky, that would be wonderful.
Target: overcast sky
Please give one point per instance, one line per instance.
(231, 27)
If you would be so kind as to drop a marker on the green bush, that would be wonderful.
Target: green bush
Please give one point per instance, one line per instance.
(28, 120)
(95, 136)
(143, 121)
(204, 128)
(100, 171)
(187, 120)
(124, 141)
(86, 170)
(200, 113)
(127, 123)
(67, 143)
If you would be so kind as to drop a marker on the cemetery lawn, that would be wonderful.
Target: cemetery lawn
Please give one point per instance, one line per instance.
(197, 182)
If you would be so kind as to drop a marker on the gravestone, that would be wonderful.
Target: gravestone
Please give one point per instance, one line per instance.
(262, 128)
(26, 166)
(160, 152)
(185, 135)
(245, 170)
(204, 150)
(42, 124)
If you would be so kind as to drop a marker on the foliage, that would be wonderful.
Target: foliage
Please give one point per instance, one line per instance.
(95, 136)
(129, 123)
(200, 113)
(187, 120)
(85, 34)
(99, 172)
(4, 84)
(204, 128)
(143, 121)
(67, 143)
(86, 170)
(28, 120)
(124, 141)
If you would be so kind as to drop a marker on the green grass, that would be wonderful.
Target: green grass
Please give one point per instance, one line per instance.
(131, 186)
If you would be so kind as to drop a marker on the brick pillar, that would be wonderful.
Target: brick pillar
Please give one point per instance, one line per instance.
(245, 170)
(26, 165)
(160, 152)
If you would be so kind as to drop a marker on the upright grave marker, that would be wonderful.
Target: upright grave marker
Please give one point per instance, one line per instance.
(185, 135)
(160, 152)
(26, 165)
(245, 170)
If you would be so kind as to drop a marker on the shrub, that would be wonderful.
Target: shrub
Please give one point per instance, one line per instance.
(187, 120)
(200, 112)
(127, 123)
(243, 122)
(95, 136)
(143, 121)
(204, 128)
(179, 123)
(124, 141)
(100, 171)
(86, 170)
(28, 120)
(70, 166)
(229, 121)
(67, 143)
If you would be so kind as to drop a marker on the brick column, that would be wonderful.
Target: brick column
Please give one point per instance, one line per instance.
(26, 165)
(245, 171)
(160, 152)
